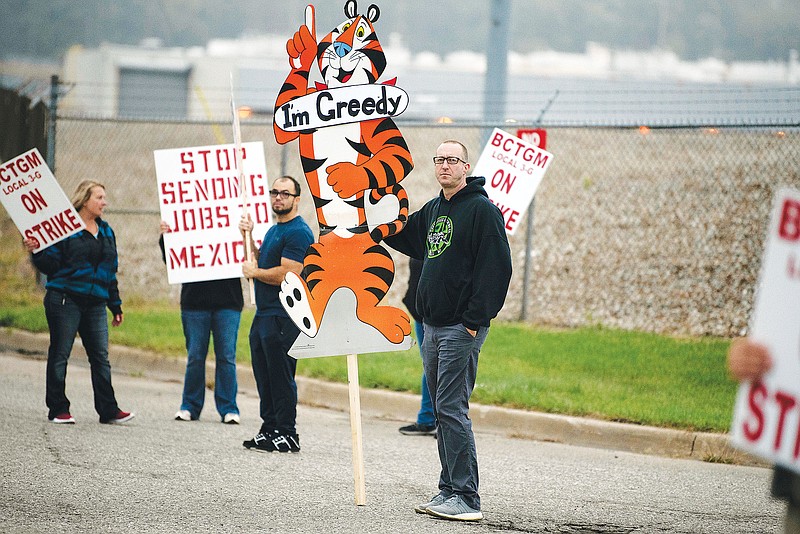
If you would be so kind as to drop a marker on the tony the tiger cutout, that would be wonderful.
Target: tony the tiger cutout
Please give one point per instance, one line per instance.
(354, 158)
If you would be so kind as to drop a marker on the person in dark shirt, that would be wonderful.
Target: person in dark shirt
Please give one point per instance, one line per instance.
(210, 307)
(466, 269)
(81, 282)
(273, 332)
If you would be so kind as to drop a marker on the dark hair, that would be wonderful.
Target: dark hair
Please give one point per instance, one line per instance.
(295, 182)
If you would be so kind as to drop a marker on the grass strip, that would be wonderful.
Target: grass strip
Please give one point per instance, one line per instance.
(604, 373)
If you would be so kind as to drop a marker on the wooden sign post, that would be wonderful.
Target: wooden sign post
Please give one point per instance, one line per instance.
(237, 143)
(355, 429)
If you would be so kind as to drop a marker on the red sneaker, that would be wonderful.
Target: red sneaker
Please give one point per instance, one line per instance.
(121, 417)
(64, 419)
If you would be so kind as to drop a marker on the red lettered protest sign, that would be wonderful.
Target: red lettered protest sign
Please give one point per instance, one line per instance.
(767, 413)
(513, 168)
(199, 196)
(36, 203)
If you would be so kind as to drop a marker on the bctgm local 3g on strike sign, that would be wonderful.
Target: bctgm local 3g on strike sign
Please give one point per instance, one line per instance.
(36, 203)
(201, 200)
(766, 418)
(513, 169)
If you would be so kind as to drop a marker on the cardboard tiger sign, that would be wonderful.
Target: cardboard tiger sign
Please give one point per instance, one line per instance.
(354, 158)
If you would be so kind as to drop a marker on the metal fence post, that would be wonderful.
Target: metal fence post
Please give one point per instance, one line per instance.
(284, 160)
(526, 277)
(496, 78)
(51, 124)
(50, 157)
(523, 312)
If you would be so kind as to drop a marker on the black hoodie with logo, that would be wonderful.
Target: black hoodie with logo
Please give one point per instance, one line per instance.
(466, 266)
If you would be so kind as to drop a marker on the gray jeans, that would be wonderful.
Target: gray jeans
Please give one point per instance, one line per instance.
(450, 358)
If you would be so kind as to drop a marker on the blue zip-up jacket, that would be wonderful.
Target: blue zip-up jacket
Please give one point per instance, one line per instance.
(83, 267)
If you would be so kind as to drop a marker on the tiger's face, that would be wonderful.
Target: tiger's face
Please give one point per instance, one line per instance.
(351, 53)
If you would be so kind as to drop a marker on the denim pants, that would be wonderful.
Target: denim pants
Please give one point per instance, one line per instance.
(271, 338)
(65, 318)
(425, 415)
(450, 357)
(198, 327)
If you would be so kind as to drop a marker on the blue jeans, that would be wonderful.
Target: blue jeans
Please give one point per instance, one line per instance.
(65, 318)
(198, 326)
(450, 357)
(425, 415)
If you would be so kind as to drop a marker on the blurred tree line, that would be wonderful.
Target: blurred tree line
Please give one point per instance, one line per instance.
(727, 29)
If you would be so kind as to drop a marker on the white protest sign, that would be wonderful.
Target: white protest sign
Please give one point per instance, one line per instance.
(341, 105)
(513, 168)
(767, 413)
(199, 197)
(35, 201)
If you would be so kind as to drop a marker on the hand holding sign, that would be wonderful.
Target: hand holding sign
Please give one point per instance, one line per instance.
(748, 360)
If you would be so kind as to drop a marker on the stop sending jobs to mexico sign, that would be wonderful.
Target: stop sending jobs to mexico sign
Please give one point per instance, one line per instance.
(36, 203)
(766, 419)
(513, 168)
(201, 200)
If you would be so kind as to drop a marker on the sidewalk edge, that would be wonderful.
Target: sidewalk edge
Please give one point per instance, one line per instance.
(584, 432)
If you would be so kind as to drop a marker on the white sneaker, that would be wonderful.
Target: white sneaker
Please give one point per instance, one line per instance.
(231, 419)
(435, 501)
(64, 418)
(456, 509)
(183, 415)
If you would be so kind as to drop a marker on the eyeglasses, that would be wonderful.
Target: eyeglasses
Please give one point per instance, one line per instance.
(451, 160)
(283, 194)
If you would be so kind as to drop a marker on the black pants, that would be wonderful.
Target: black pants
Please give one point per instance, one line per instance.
(786, 486)
(270, 340)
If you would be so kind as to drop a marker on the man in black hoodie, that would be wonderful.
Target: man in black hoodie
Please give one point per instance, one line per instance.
(466, 270)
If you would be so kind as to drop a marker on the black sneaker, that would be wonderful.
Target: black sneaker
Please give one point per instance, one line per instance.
(259, 441)
(274, 442)
(418, 430)
(284, 443)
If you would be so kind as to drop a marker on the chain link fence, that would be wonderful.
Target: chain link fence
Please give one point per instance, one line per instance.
(656, 229)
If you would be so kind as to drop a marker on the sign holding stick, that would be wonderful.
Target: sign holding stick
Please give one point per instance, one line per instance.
(36, 203)
(237, 142)
(766, 418)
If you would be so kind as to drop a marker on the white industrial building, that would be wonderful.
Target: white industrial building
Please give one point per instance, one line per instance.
(151, 81)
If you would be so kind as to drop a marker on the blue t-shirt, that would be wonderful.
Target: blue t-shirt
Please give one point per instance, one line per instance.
(288, 240)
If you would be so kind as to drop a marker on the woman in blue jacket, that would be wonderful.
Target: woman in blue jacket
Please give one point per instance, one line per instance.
(81, 281)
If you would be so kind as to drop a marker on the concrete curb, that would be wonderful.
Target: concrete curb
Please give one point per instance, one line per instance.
(396, 406)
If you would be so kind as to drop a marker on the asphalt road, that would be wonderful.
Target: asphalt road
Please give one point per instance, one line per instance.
(155, 474)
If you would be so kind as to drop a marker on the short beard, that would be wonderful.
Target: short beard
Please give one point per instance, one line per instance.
(282, 211)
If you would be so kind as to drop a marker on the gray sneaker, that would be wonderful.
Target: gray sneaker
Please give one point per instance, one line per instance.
(423, 508)
(455, 508)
